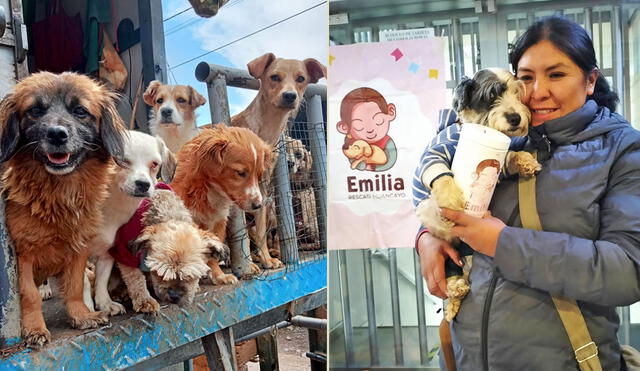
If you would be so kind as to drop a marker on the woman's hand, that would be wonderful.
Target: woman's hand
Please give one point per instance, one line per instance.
(481, 234)
(433, 252)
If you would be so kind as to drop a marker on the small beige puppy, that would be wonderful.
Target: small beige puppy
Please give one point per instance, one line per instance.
(361, 151)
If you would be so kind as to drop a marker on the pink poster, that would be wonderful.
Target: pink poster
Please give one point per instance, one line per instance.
(384, 100)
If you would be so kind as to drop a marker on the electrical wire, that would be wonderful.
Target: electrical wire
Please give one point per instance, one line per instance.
(177, 14)
(249, 35)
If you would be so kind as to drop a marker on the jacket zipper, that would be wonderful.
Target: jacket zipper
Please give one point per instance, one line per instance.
(484, 329)
(485, 322)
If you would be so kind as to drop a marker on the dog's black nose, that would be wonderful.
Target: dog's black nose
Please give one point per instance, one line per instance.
(513, 119)
(290, 164)
(174, 295)
(256, 206)
(289, 96)
(142, 185)
(166, 112)
(57, 135)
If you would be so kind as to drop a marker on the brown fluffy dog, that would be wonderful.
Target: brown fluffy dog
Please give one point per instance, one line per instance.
(221, 166)
(58, 135)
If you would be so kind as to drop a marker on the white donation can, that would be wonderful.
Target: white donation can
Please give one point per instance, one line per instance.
(477, 163)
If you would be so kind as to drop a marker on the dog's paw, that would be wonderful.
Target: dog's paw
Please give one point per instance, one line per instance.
(146, 305)
(112, 308)
(218, 249)
(35, 337)
(224, 279)
(457, 287)
(45, 291)
(429, 214)
(528, 166)
(253, 267)
(271, 263)
(447, 193)
(89, 320)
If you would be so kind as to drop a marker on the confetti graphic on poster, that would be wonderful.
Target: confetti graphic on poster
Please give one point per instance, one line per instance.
(383, 109)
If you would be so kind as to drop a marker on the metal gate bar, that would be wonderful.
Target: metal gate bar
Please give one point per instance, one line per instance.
(371, 309)
(422, 324)
(395, 306)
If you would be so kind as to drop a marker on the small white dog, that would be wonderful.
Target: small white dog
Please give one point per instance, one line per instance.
(144, 156)
(173, 108)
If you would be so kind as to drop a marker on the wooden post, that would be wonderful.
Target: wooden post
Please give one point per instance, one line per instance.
(219, 349)
(268, 352)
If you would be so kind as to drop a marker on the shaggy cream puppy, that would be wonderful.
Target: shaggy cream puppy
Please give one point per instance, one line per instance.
(173, 251)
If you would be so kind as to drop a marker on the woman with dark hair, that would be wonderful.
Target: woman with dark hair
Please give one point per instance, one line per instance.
(588, 202)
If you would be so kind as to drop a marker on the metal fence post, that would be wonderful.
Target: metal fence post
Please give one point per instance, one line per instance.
(317, 145)
(395, 307)
(9, 299)
(286, 222)
(237, 237)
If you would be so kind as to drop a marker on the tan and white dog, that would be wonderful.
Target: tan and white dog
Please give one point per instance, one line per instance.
(144, 156)
(282, 86)
(173, 108)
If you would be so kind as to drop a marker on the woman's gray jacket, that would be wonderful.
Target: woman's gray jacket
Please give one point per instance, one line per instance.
(588, 199)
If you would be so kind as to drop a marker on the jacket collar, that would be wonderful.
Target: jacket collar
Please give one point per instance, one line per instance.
(563, 130)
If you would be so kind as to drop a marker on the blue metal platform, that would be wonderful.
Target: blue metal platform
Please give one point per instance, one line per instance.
(131, 339)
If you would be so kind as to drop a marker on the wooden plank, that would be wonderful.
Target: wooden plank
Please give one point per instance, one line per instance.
(268, 351)
(219, 350)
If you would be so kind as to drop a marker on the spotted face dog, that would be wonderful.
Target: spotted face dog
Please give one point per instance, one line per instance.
(173, 112)
(220, 167)
(58, 137)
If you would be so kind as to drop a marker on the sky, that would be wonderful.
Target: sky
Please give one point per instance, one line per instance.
(188, 35)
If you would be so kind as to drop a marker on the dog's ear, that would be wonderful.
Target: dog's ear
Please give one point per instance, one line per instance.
(211, 149)
(315, 69)
(9, 128)
(112, 129)
(168, 168)
(368, 151)
(195, 99)
(259, 65)
(149, 96)
(143, 242)
(308, 158)
(463, 93)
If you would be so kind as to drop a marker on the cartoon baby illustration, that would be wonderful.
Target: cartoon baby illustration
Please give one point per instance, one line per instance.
(485, 180)
(365, 119)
